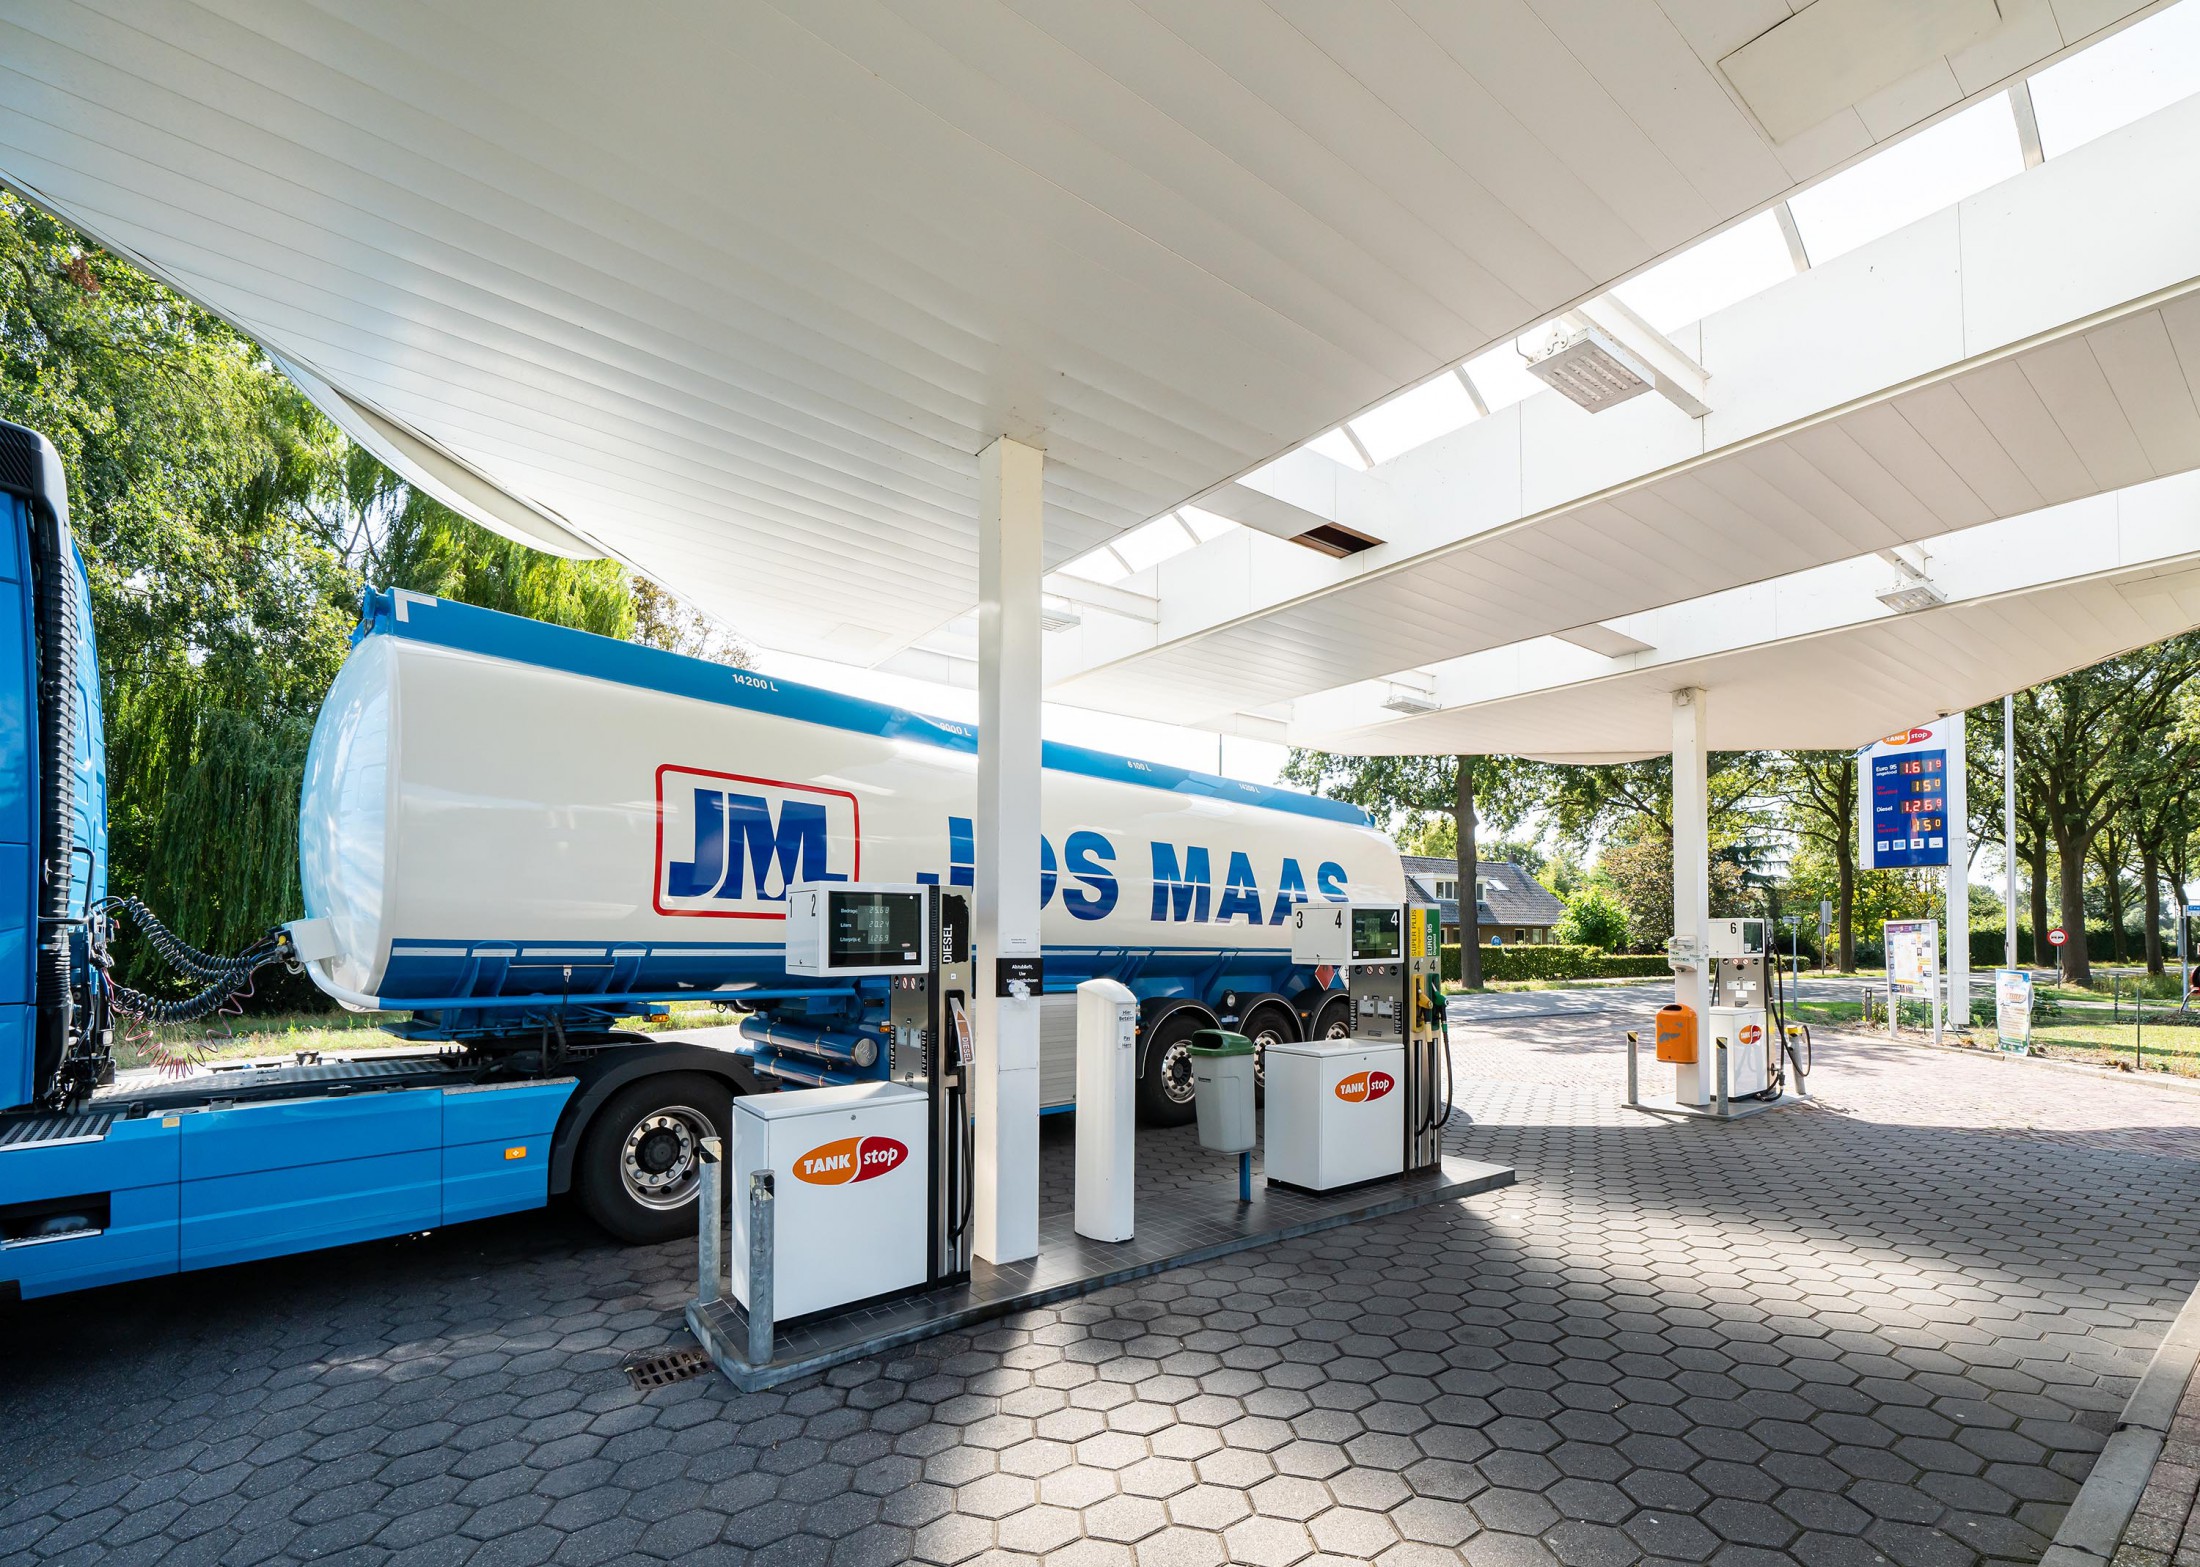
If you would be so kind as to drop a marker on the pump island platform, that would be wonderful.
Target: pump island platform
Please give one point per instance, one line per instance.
(1187, 1212)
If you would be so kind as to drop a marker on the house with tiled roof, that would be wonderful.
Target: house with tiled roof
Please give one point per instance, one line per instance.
(1512, 907)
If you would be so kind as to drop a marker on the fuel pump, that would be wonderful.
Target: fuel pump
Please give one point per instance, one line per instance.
(1428, 1042)
(1742, 1012)
(872, 1177)
(1345, 1111)
(928, 1017)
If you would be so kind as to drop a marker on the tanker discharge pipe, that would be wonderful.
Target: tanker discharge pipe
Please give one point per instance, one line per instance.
(847, 1049)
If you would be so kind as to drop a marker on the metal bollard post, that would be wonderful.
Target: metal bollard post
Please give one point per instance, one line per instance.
(761, 1252)
(1720, 1047)
(710, 1225)
(1634, 1068)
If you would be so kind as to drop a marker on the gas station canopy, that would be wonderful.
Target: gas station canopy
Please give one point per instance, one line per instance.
(736, 293)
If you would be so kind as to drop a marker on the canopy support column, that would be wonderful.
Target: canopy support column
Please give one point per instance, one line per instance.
(1005, 1074)
(1692, 878)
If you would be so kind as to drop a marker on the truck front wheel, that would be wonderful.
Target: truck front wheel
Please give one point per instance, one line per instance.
(641, 1159)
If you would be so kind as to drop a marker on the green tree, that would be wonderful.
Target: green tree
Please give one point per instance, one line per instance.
(227, 528)
(2076, 738)
(1593, 918)
(1818, 789)
(1402, 792)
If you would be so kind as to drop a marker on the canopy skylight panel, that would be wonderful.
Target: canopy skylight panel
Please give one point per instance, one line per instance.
(1501, 375)
(1149, 544)
(1338, 448)
(1414, 418)
(1912, 179)
(1725, 269)
(2125, 77)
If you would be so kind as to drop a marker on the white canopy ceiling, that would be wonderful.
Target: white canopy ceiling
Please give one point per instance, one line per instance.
(737, 292)
(1815, 660)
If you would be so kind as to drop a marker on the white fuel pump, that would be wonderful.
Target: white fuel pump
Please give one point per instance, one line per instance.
(1742, 1014)
(871, 1179)
(1337, 1113)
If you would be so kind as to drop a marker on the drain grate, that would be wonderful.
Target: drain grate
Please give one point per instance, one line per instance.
(676, 1365)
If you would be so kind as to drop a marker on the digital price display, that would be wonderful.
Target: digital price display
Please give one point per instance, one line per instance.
(1910, 808)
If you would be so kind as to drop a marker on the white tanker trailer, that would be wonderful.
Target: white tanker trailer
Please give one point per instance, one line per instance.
(519, 834)
(503, 819)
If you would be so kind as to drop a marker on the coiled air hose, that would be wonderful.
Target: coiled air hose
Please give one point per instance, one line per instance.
(225, 977)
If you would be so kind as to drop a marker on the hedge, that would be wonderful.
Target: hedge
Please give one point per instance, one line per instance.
(1553, 961)
(2100, 946)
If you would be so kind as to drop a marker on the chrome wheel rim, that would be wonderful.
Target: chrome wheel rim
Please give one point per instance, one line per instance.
(661, 1161)
(1176, 1073)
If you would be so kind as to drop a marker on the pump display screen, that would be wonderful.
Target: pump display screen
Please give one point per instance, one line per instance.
(874, 929)
(1375, 936)
(1910, 808)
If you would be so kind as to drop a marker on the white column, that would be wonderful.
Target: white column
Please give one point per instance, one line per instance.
(1692, 880)
(1958, 969)
(2009, 831)
(1005, 1076)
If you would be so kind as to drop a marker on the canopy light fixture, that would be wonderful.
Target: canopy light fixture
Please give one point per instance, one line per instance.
(1908, 597)
(1058, 615)
(1404, 699)
(1589, 369)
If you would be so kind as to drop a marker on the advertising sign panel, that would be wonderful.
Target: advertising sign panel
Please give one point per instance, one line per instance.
(2013, 1009)
(1912, 797)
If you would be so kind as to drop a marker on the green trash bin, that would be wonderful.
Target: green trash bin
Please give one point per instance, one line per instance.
(1222, 1090)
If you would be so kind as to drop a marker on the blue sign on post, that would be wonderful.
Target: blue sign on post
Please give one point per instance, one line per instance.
(1909, 818)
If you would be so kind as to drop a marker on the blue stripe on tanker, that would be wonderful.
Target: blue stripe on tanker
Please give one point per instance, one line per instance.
(466, 629)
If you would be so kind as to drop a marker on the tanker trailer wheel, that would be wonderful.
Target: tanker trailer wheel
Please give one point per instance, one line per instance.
(1333, 1020)
(641, 1158)
(1270, 1020)
(1165, 1086)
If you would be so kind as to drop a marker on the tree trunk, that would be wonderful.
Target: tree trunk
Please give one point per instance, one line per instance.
(2151, 868)
(1845, 906)
(2035, 857)
(2112, 880)
(2076, 964)
(1470, 923)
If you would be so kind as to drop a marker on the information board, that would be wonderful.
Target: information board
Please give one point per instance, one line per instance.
(1909, 820)
(1913, 957)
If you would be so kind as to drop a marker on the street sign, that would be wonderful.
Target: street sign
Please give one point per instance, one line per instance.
(2057, 936)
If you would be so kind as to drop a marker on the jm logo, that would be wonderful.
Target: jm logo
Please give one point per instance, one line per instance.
(730, 845)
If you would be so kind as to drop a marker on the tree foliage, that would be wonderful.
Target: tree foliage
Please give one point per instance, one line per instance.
(1593, 918)
(227, 529)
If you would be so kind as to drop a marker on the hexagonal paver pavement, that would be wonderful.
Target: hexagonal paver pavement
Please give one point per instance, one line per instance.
(1889, 1329)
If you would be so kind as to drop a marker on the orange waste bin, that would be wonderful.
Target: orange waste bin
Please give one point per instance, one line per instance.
(1677, 1034)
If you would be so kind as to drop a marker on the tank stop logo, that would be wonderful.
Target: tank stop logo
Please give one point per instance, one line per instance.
(1365, 1087)
(851, 1159)
(1751, 1033)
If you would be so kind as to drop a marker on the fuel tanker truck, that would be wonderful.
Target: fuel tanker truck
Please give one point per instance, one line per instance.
(518, 835)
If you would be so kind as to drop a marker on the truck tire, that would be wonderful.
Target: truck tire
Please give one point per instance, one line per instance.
(1333, 1019)
(640, 1156)
(1165, 1086)
(1268, 1020)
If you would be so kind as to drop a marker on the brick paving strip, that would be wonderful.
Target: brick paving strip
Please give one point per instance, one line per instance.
(2142, 1500)
(1891, 1329)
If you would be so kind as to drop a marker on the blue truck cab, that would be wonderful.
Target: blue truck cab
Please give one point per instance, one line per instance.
(106, 1177)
